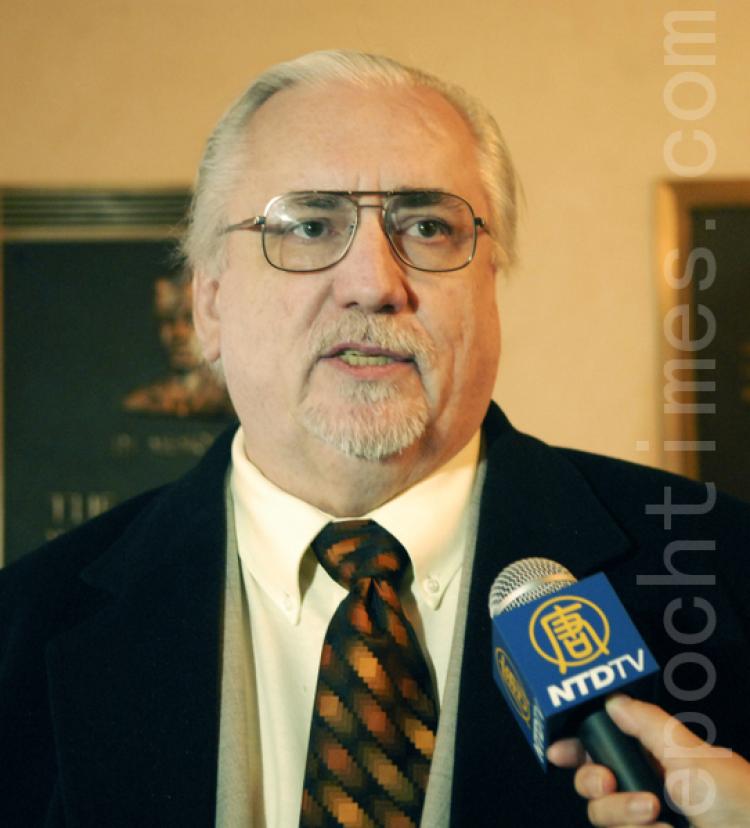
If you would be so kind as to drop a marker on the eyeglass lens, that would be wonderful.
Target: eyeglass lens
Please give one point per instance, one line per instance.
(428, 230)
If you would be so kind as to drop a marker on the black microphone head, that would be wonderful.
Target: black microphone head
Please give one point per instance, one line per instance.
(526, 580)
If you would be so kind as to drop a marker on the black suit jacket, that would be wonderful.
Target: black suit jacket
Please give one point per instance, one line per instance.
(110, 638)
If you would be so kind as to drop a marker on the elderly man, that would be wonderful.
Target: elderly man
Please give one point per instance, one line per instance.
(295, 633)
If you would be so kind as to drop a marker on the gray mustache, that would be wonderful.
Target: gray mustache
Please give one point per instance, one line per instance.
(379, 331)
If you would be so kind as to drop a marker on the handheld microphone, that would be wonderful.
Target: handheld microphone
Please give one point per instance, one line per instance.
(559, 647)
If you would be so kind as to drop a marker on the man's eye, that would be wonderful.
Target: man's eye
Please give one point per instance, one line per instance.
(429, 228)
(310, 229)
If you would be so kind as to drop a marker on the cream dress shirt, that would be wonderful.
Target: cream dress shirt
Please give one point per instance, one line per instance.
(279, 604)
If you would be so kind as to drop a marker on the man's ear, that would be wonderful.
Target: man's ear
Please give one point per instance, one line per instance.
(206, 317)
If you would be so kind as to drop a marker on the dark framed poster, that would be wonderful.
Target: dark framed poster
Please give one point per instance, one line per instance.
(104, 392)
(704, 260)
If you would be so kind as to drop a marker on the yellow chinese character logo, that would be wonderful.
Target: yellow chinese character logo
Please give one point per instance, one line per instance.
(513, 684)
(569, 631)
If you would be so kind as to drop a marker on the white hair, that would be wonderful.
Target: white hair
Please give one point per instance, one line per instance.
(203, 245)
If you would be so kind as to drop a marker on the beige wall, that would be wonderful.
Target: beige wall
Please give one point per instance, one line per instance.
(124, 92)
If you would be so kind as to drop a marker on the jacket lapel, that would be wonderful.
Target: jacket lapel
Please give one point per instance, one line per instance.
(135, 689)
(534, 503)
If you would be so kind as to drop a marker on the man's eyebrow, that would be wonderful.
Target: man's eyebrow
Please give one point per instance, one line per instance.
(419, 198)
(317, 199)
(418, 190)
(409, 196)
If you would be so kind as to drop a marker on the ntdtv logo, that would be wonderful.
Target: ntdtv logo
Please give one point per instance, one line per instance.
(562, 651)
(513, 685)
(597, 678)
(569, 631)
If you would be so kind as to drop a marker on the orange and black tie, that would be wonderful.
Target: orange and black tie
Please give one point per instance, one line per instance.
(375, 717)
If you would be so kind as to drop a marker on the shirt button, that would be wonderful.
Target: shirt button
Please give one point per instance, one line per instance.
(288, 602)
(432, 585)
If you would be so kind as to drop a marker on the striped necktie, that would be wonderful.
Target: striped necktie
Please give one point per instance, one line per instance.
(375, 715)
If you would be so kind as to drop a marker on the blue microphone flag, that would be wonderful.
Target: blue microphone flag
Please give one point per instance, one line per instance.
(554, 656)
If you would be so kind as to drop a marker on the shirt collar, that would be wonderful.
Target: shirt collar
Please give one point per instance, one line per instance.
(275, 529)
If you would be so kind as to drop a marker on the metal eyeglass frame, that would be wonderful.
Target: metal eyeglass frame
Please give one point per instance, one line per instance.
(256, 223)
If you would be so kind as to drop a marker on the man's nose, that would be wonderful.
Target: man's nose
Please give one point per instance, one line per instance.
(370, 277)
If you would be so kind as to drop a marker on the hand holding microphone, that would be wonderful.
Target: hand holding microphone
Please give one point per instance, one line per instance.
(559, 648)
(710, 784)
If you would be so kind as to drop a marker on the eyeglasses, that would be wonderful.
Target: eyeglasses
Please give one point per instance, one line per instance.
(427, 229)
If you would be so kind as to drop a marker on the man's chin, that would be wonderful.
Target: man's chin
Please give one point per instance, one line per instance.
(373, 431)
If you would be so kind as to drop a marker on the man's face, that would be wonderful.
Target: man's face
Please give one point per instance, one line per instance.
(368, 358)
